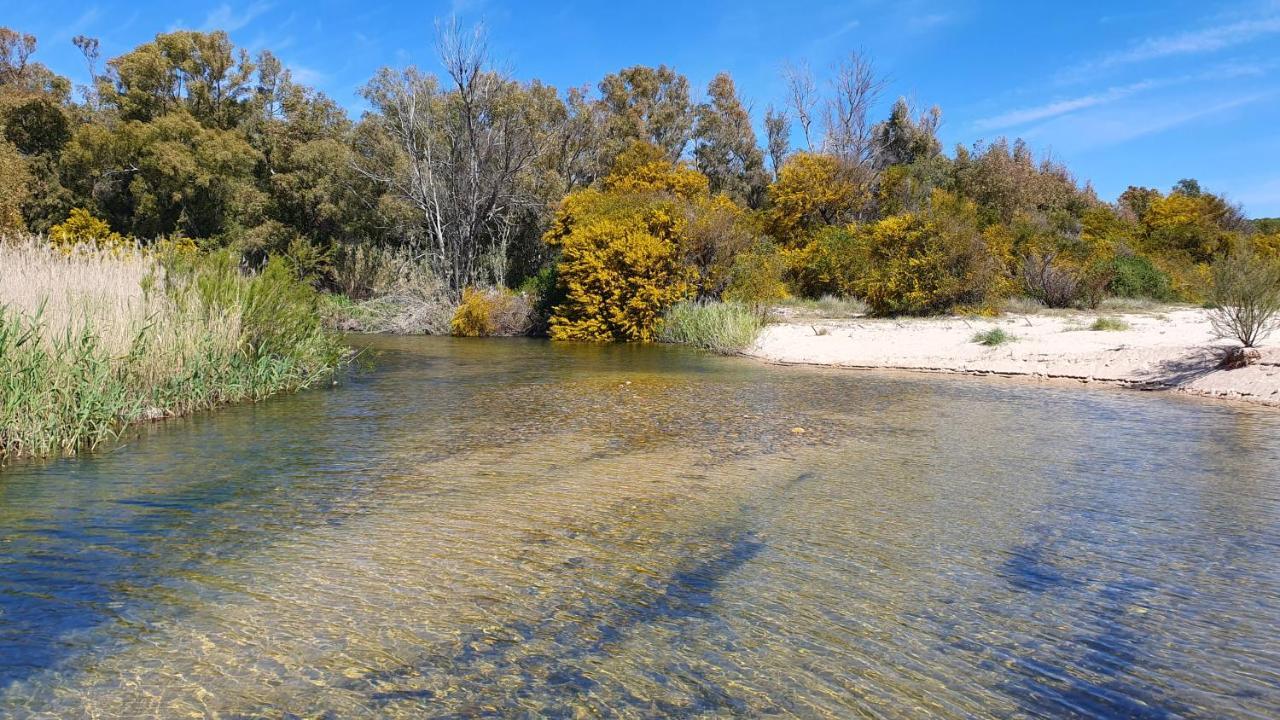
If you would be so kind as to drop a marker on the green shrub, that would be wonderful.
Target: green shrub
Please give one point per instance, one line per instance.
(756, 278)
(1109, 324)
(1136, 276)
(1245, 296)
(993, 337)
(724, 328)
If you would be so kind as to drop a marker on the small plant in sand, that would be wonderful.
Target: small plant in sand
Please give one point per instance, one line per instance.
(1109, 324)
(1245, 301)
(993, 337)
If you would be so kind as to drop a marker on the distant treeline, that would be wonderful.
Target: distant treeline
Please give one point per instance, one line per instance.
(613, 201)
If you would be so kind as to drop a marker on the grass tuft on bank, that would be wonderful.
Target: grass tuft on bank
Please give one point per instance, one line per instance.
(92, 340)
(724, 328)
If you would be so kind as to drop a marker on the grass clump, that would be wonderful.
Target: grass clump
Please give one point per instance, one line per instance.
(724, 328)
(94, 339)
(993, 337)
(1109, 324)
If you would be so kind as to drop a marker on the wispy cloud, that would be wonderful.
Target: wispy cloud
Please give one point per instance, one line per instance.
(307, 75)
(928, 20)
(1022, 116)
(838, 33)
(1204, 40)
(224, 17)
(1098, 130)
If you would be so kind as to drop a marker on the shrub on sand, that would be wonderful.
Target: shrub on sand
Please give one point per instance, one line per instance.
(993, 337)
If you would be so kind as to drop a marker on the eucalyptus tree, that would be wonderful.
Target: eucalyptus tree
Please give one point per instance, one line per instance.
(725, 148)
(457, 150)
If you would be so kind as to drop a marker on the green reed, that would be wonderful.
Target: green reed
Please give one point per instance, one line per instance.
(217, 336)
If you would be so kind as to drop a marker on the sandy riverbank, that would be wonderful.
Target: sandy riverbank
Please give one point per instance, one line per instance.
(1173, 350)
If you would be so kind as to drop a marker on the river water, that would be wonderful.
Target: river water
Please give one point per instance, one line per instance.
(514, 528)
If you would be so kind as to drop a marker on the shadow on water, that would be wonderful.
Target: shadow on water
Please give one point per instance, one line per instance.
(494, 669)
(1088, 675)
(524, 531)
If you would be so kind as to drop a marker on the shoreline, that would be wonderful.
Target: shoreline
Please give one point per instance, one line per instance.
(1165, 350)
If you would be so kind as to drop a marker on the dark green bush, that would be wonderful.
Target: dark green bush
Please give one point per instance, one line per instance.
(1136, 277)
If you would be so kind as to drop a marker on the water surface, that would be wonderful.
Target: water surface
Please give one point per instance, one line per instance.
(512, 528)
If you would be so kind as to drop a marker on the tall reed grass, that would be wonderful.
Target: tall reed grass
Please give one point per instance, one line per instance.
(724, 328)
(93, 340)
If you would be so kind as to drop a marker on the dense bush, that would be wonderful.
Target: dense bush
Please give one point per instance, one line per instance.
(917, 264)
(94, 339)
(619, 266)
(832, 262)
(757, 277)
(492, 312)
(1135, 276)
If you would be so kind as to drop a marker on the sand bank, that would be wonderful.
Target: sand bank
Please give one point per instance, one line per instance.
(1170, 350)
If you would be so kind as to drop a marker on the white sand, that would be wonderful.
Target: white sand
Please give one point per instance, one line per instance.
(1173, 350)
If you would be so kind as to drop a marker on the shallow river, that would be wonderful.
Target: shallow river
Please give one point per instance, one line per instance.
(510, 528)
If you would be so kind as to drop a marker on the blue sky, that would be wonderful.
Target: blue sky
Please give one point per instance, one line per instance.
(1123, 93)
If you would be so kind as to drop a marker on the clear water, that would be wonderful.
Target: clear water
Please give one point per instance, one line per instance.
(511, 528)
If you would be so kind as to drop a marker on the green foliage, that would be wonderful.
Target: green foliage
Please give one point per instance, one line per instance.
(918, 264)
(993, 337)
(1246, 296)
(15, 181)
(63, 392)
(757, 277)
(37, 127)
(1135, 276)
(725, 146)
(1109, 324)
(724, 328)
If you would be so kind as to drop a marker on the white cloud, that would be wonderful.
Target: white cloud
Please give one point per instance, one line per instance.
(1098, 130)
(1060, 107)
(1193, 42)
(224, 17)
(838, 33)
(1022, 116)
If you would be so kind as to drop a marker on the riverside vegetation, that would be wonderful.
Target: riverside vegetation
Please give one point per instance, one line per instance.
(227, 205)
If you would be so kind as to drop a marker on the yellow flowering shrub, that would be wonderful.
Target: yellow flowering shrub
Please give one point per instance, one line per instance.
(619, 267)
(757, 277)
(812, 190)
(489, 312)
(651, 236)
(931, 262)
(82, 227)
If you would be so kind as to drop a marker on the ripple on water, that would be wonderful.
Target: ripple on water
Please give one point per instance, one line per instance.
(510, 529)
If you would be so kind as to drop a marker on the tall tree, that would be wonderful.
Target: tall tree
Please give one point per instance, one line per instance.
(202, 73)
(725, 148)
(855, 88)
(802, 95)
(777, 130)
(649, 105)
(457, 155)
